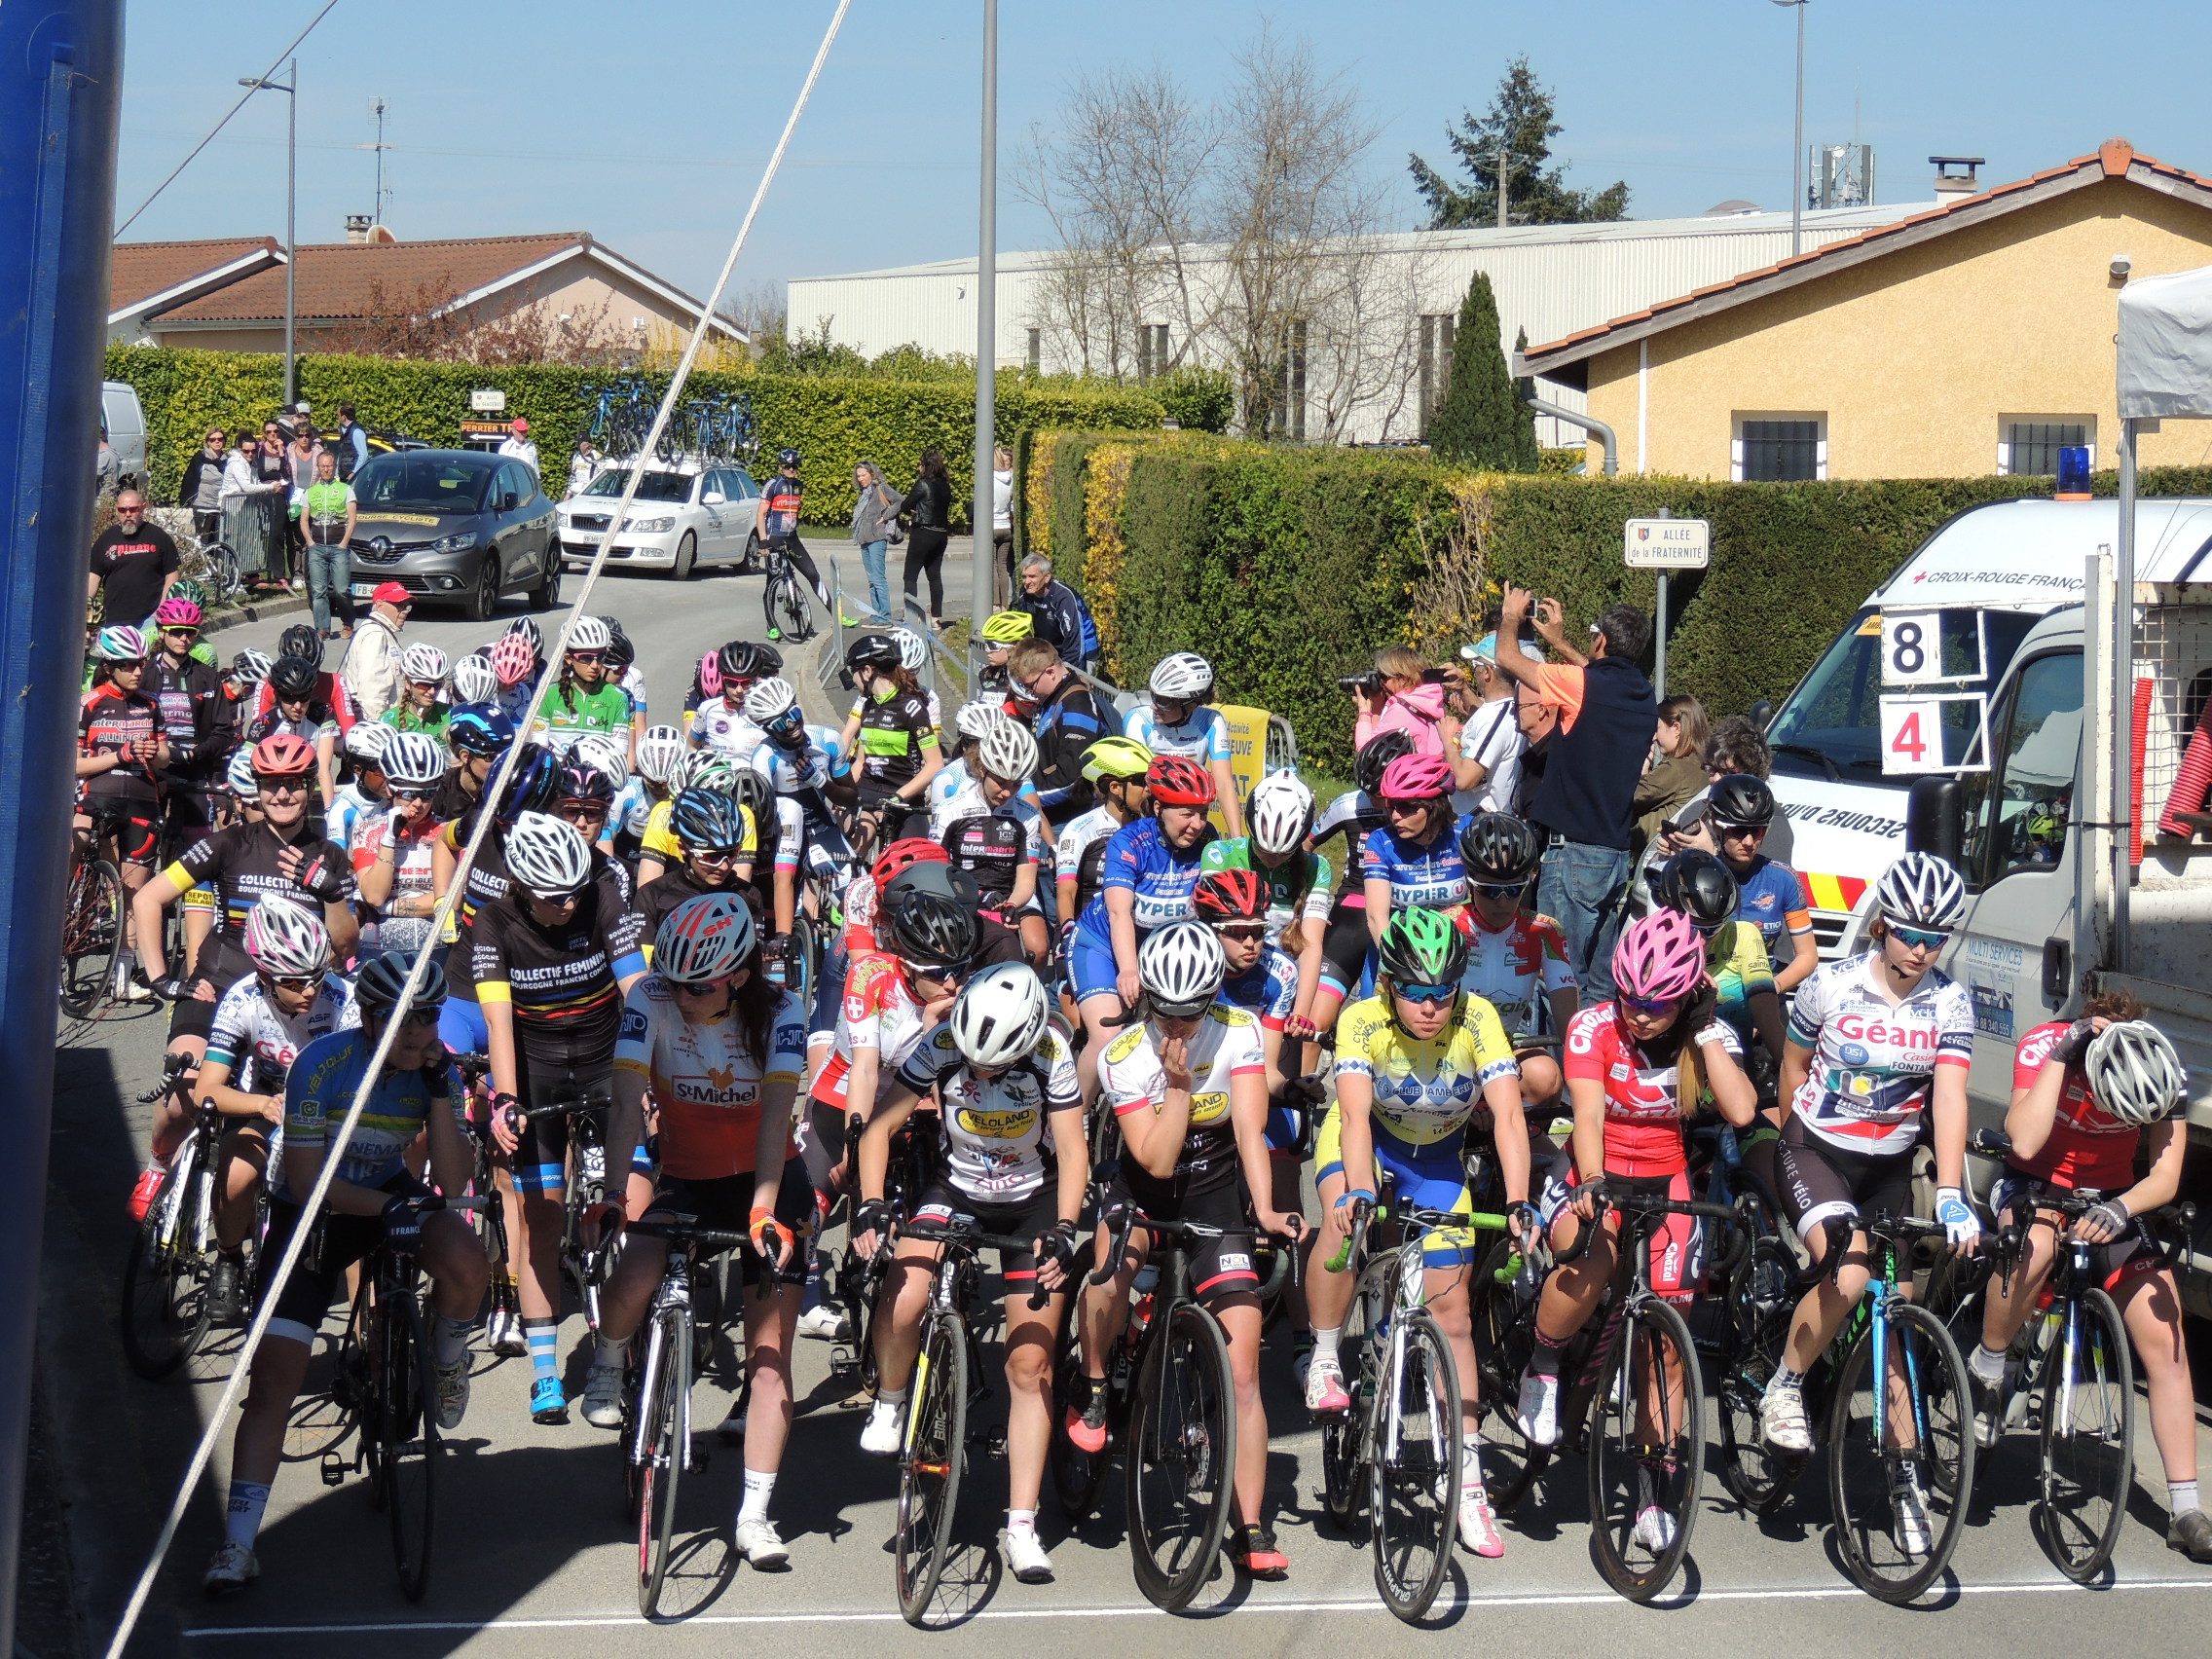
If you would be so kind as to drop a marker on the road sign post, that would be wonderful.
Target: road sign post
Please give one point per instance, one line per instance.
(1666, 545)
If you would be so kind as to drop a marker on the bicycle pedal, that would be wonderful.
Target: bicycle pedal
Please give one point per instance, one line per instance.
(699, 1459)
(333, 1469)
(991, 1443)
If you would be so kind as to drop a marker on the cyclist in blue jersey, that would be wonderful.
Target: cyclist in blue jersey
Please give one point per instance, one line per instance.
(1412, 861)
(1177, 721)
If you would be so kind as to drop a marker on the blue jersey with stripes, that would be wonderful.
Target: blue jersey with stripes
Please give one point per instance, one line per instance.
(1158, 875)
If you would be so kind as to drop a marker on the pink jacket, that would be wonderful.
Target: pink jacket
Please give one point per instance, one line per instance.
(1415, 713)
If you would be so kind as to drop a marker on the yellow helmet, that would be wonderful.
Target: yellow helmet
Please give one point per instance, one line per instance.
(1116, 757)
(1009, 626)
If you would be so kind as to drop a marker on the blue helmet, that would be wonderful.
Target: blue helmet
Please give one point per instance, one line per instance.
(703, 818)
(536, 785)
(579, 781)
(480, 728)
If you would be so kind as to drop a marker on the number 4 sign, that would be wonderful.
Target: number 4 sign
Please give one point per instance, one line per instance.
(1913, 731)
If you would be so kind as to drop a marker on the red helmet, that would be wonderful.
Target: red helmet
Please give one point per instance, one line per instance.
(283, 755)
(1417, 777)
(1175, 780)
(1658, 959)
(904, 855)
(1229, 896)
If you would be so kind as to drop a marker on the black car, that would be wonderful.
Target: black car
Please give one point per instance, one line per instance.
(454, 526)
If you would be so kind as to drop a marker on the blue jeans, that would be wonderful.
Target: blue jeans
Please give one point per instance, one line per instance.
(876, 555)
(330, 580)
(1581, 888)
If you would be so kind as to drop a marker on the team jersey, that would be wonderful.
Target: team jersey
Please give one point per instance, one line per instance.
(561, 981)
(431, 722)
(1516, 969)
(319, 1092)
(1643, 1116)
(632, 810)
(805, 766)
(1425, 1093)
(997, 1130)
(706, 1085)
(994, 844)
(659, 899)
(1772, 900)
(1158, 875)
(1202, 738)
(1301, 886)
(330, 694)
(896, 734)
(1227, 1046)
(242, 864)
(2088, 1146)
(1268, 989)
(1354, 815)
(488, 883)
(1080, 854)
(259, 1042)
(413, 872)
(188, 698)
(1431, 878)
(1736, 960)
(567, 714)
(658, 838)
(108, 722)
(1873, 1062)
(878, 1011)
(350, 812)
(950, 779)
(780, 499)
(726, 731)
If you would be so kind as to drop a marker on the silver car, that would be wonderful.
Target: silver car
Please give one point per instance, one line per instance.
(685, 516)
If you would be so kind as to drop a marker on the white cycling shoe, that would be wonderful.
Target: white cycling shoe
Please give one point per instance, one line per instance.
(1538, 1415)
(826, 1324)
(1782, 1423)
(885, 1430)
(1025, 1557)
(603, 1396)
(757, 1542)
(232, 1571)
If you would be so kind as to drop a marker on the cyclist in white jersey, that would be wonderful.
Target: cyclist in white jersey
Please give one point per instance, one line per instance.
(1177, 721)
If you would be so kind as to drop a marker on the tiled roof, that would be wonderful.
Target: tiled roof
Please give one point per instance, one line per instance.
(337, 279)
(139, 271)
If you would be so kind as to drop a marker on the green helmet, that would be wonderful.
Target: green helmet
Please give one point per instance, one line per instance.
(204, 652)
(184, 587)
(1422, 947)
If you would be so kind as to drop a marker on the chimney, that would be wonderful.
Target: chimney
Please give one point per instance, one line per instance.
(357, 227)
(1955, 174)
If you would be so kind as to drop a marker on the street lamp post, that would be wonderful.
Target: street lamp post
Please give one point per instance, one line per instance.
(1798, 155)
(981, 591)
(291, 203)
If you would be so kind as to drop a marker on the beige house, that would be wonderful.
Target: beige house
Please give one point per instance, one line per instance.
(1971, 339)
(230, 296)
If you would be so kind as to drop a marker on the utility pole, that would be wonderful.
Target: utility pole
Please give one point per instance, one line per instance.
(1797, 153)
(982, 592)
(291, 208)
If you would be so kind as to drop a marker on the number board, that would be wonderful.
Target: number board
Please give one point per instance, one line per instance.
(1915, 738)
(1912, 648)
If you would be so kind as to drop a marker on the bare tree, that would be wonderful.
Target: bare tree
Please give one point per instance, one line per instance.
(427, 323)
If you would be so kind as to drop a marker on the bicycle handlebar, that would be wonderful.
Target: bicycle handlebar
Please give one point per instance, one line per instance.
(685, 1230)
(965, 1235)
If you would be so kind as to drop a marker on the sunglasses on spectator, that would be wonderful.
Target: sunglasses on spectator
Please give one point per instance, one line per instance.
(1427, 995)
(122, 511)
(1247, 934)
(1918, 939)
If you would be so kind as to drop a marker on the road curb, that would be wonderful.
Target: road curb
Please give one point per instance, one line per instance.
(260, 612)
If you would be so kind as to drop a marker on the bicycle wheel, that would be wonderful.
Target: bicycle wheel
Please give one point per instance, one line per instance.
(802, 961)
(1646, 1451)
(1901, 1468)
(2088, 1439)
(1758, 1308)
(929, 1465)
(409, 1442)
(1078, 1476)
(1412, 1466)
(1344, 1434)
(787, 606)
(91, 937)
(1505, 1320)
(165, 1314)
(1182, 1457)
(658, 1456)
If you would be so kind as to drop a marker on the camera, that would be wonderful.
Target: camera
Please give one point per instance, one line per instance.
(1369, 684)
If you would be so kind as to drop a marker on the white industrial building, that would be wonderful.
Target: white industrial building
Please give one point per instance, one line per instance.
(1550, 280)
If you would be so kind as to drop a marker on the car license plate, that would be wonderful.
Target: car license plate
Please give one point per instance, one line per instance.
(362, 590)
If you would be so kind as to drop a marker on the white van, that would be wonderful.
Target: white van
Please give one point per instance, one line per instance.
(123, 423)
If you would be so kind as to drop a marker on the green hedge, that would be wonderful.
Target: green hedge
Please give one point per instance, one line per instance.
(1287, 568)
(834, 423)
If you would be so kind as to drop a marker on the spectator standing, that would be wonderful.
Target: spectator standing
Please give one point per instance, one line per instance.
(1676, 768)
(1067, 718)
(203, 488)
(374, 675)
(1001, 513)
(930, 505)
(1056, 611)
(583, 465)
(1399, 695)
(875, 527)
(352, 444)
(133, 564)
(246, 504)
(294, 420)
(1606, 715)
(1492, 743)
(518, 447)
(273, 467)
(326, 512)
(107, 471)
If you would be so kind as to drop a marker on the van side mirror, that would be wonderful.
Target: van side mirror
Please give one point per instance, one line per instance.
(1761, 713)
(1935, 819)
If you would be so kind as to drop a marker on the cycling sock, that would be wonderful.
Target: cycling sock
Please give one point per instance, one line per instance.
(2181, 1497)
(892, 1397)
(449, 1339)
(1989, 1367)
(241, 1520)
(1471, 1462)
(1545, 1357)
(1786, 1379)
(758, 1489)
(544, 1339)
(1325, 1341)
(609, 1353)
(1022, 1520)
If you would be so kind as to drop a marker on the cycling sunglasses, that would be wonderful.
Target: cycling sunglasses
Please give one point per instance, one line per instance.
(587, 657)
(1427, 995)
(936, 972)
(719, 858)
(558, 901)
(423, 1017)
(593, 809)
(702, 987)
(1649, 1005)
(289, 785)
(184, 628)
(414, 794)
(1498, 889)
(1918, 939)
(295, 982)
(1250, 935)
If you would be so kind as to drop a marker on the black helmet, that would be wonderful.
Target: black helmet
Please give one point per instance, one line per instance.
(528, 629)
(577, 781)
(787, 458)
(1698, 886)
(620, 653)
(1740, 798)
(741, 659)
(873, 651)
(303, 642)
(293, 676)
(928, 928)
(1499, 850)
(1380, 750)
(705, 819)
(376, 987)
(536, 784)
(753, 792)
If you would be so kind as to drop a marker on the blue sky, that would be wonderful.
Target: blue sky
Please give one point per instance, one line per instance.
(647, 122)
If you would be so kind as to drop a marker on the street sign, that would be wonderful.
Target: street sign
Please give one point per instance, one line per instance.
(488, 401)
(1669, 544)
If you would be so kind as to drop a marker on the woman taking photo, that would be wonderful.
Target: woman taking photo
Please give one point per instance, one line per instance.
(930, 502)
(1398, 695)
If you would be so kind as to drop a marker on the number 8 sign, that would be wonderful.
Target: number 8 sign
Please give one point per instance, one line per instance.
(1912, 649)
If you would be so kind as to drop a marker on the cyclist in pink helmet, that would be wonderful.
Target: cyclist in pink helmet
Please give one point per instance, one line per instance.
(177, 613)
(1638, 1068)
(1412, 861)
(711, 675)
(511, 658)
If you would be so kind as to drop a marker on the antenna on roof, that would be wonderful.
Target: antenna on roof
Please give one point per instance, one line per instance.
(378, 108)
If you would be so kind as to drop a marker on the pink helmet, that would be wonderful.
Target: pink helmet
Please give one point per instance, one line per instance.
(177, 613)
(711, 675)
(511, 658)
(1658, 959)
(1417, 777)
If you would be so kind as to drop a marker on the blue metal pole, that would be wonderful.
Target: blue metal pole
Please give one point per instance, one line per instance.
(61, 83)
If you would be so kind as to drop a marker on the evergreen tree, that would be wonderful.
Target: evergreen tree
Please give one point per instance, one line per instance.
(1483, 421)
(1520, 117)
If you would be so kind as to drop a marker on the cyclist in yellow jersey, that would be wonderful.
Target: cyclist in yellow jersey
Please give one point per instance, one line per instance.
(659, 848)
(1418, 1064)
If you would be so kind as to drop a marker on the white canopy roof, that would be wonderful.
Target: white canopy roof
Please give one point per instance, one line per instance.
(2166, 347)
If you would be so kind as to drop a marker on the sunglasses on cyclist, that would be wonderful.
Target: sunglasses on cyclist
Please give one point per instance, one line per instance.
(421, 1018)
(555, 901)
(1251, 935)
(1743, 831)
(936, 972)
(703, 988)
(282, 786)
(586, 657)
(295, 982)
(184, 628)
(1427, 995)
(715, 857)
(1498, 889)
(1918, 939)
(591, 809)
(413, 794)
(1649, 1005)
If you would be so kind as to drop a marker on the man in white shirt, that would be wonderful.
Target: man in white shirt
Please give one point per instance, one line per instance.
(518, 446)
(583, 465)
(1488, 767)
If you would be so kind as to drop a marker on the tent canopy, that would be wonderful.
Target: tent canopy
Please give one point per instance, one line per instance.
(2166, 347)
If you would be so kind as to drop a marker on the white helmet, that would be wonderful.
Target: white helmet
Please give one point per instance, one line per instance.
(413, 761)
(365, 742)
(2134, 1072)
(596, 748)
(285, 938)
(473, 680)
(703, 939)
(1181, 676)
(912, 650)
(1280, 813)
(999, 1015)
(423, 663)
(703, 769)
(1921, 891)
(974, 720)
(1180, 968)
(244, 783)
(658, 751)
(589, 634)
(547, 855)
(769, 698)
(1008, 751)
